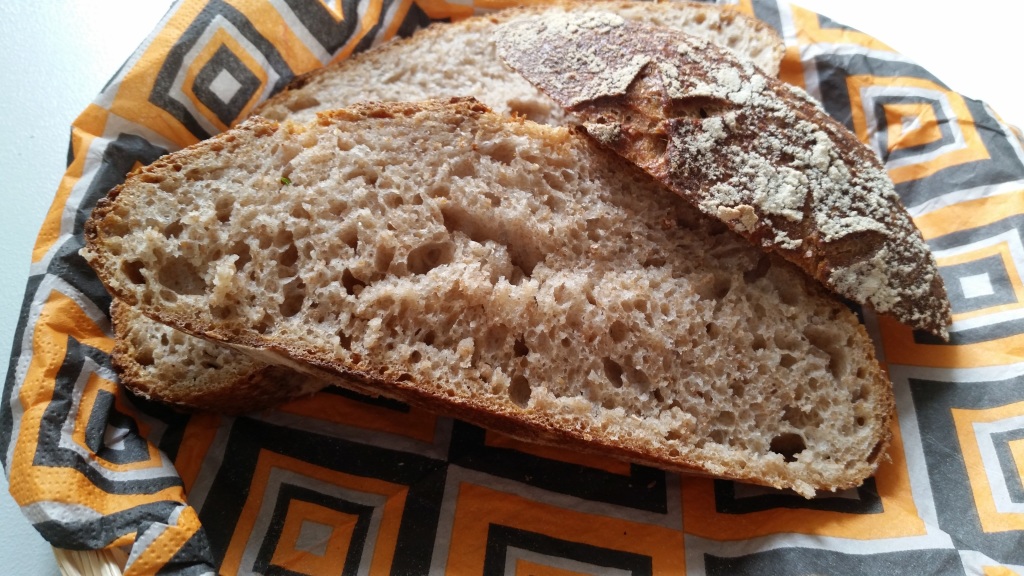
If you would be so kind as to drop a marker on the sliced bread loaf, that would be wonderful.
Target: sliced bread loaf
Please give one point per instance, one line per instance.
(748, 149)
(459, 59)
(507, 273)
(462, 61)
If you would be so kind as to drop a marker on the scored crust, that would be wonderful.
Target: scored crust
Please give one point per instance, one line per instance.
(745, 148)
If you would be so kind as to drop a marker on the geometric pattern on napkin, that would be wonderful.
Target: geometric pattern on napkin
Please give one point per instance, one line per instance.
(984, 270)
(975, 425)
(218, 69)
(337, 482)
(333, 30)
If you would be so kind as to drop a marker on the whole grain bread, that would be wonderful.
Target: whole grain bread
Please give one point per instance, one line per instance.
(507, 273)
(459, 59)
(748, 149)
(160, 363)
(462, 60)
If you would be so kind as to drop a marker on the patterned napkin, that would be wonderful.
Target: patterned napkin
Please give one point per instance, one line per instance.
(343, 483)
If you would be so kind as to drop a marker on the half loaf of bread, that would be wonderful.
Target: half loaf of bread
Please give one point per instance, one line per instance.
(507, 273)
(440, 61)
(748, 149)
(460, 59)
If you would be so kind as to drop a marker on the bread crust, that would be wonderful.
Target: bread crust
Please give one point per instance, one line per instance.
(745, 148)
(111, 220)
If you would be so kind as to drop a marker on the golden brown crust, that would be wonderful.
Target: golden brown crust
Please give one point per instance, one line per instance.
(744, 148)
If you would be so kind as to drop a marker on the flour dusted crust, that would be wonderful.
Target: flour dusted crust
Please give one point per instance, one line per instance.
(503, 272)
(459, 59)
(755, 153)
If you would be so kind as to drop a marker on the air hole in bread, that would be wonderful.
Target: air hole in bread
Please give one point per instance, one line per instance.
(428, 337)
(180, 276)
(654, 261)
(760, 270)
(288, 257)
(826, 340)
(736, 388)
(133, 271)
(439, 190)
(612, 371)
(556, 182)
(719, 436)
(758, 343)
(368, 174)
(713, 330)
(220, 312)
(725, 419)
(797, 417)
(502, 151)
(173, 230)
(144, 356)
(345, 144)
(337, 207)
(493, 198)
(714, 287)
(224, 207)
(553, 201)
(426, 257)
(618, 331)
(294, 298)
(519, 391)
(415, 356)
(299, 212)
(241, 250)
(265, 324)
(519, 348)
(344, 340)
(788, 445)
(463, 168)
(383, 257)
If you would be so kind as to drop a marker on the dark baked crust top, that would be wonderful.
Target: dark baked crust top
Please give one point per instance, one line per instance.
(754, 152)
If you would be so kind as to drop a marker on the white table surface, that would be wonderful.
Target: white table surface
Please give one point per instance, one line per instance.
(55, 57)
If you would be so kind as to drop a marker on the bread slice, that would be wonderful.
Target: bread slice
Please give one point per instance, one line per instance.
(754, 152)
(400, 71)
(507, 273)
(459, 59)
(160, 363)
